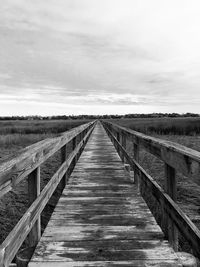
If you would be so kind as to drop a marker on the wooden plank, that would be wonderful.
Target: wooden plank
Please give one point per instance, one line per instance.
(118, 250)
(102, 209)
(136, 157)
(104, 220)
(126, 263)
(171, 190)
(100, 219)
(98, 193)
(74, 144)
(124, 145)
(33, 193)
(90, 232)
(63, 159)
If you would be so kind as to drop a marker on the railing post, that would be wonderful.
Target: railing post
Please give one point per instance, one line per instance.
(81, 138)
(171, 190)
(63, 159)
(136, 157)
(118, 139)
(33, 193)
(74, 143)
(82, 134)
(124, 145)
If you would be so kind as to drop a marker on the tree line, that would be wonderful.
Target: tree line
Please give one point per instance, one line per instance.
(93, 117)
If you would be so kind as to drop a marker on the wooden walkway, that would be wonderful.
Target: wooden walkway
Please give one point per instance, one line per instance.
(100, 219)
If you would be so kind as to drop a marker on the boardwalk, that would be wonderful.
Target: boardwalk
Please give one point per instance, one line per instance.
(100, 219)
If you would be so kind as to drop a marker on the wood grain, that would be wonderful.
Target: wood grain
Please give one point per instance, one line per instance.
(101, 219)
(33, 193)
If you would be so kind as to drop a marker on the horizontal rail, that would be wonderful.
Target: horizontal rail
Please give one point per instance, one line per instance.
(168, 205)
(22, 163)
(14, 240)
(181, 158)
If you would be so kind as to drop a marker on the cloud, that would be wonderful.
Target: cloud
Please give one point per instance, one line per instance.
(125, 53)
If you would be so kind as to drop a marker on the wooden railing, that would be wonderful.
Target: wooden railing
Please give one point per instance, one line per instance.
(27, 164)
(176, 158)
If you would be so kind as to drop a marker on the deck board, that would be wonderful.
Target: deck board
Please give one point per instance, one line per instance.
(100, 219)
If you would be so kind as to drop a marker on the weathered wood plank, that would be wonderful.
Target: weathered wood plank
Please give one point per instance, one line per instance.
(136, 157)
(63, 159)
(118, 250)
(102, 209)
(126, 263)
(104, 220)
(100, 219)
(33, 193)
(171, 190)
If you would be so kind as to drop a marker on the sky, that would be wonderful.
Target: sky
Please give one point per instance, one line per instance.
(99, 56)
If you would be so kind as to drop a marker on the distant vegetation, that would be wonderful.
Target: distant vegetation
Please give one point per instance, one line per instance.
(158, 123)
(22, 133)
(37, 126)
(162, 126)
(93, 117)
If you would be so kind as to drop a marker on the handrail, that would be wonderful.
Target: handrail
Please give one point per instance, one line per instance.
(27, 162)
(22, 163)
(171, 212)
(181, 158)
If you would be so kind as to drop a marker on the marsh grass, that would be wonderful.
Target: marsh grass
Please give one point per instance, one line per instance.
(162, 126)
(38, 126)
(19, 134)
(24, 140)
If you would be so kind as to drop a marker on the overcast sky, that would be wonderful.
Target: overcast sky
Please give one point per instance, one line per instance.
(99, 56)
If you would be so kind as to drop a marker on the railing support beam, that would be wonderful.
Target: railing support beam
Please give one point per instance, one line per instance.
(171, 190)
(118, 139)
(33, 193)
(124, 146)
(136, 157)
(63, 159)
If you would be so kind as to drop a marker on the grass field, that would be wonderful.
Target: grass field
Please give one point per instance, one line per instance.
(22, 133)
(166, 126)
(188, 191)
(37, 126)
(15, 135)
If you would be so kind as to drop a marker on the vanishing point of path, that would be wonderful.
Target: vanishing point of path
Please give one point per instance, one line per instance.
(100, 219)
